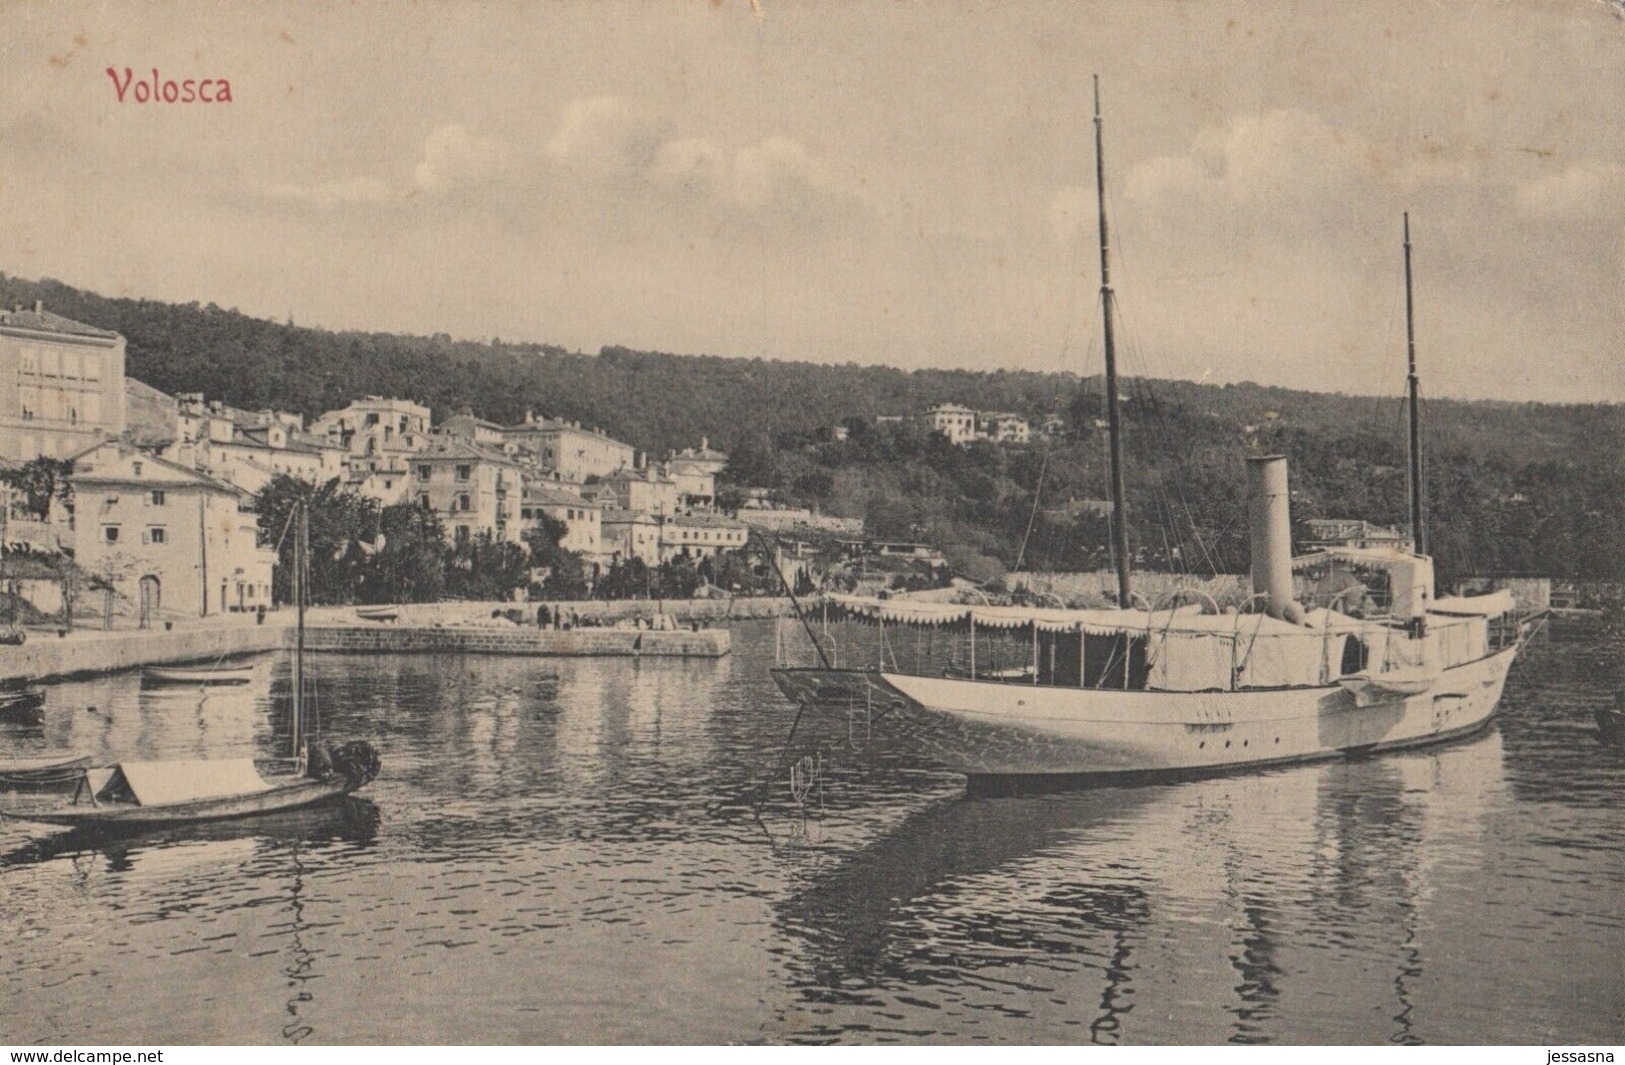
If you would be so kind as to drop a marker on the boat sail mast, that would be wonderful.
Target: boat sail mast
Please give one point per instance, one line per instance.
(300, 546)
(1114, 425)
(1418, 528)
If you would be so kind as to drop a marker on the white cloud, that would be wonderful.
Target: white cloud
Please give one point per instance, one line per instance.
(1292, 159)
(1587, 188)
(776, 167)
(453, 156)
(604, 133)
(358, 190)
(690, 162)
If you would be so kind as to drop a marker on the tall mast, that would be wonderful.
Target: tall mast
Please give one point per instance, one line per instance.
(300, 545)
(1113, 418)
(1418, 528)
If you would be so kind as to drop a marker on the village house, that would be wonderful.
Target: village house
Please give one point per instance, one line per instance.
(465, 426)
(369, 429)
(173, 541)
(388, 482)
(1002, 427)
(246, 448)
(629, 534)
(61, 384)
(697, 536)
(657, 538)
(564, 451)
(957, 423)
(695, 472)
(583, 520)
(474, 490)
(961, 425)
(643, 488)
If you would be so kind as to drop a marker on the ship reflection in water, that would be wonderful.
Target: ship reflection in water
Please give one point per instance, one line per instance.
(577, 861)
(1207, 912)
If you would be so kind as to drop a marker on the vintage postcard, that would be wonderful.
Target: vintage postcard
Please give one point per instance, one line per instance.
(741, 521)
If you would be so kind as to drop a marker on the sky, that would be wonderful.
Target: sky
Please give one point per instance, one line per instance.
(857, 181)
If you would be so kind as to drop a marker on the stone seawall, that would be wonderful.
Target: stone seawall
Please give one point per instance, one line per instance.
(407, 639)
(610, 611)
(46, 656)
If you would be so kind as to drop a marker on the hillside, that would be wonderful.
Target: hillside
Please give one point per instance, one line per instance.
(1528, 487)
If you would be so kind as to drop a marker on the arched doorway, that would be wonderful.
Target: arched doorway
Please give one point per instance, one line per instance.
(151, 600)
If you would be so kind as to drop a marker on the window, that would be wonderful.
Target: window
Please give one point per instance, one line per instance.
(136, 467)
(462, 534)
(157, 497)
(372, 419)
(157, 534)
(463, 502)
(424, 472)
(423, 501)
(388, 485)
(110, 533)
(463, 472)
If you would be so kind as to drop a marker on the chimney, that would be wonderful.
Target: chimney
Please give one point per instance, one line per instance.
(1270, 521)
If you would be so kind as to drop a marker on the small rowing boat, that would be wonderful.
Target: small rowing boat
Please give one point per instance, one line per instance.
(44, 770)
(194, 675)
(377, 613)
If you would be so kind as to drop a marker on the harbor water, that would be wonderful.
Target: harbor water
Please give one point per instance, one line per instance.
(578, 860)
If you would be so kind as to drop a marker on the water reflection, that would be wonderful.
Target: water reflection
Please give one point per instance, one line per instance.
(347, 820)
(1273, 883)
(534, 849)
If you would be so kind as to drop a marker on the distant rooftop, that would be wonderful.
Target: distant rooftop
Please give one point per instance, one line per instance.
(40, 320)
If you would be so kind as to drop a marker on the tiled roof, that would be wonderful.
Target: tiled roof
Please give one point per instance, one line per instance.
(142, 390)
(614, 516)
(206, 480)
(556, 497)
(43, 321)
(454, 448)
(707, 521)
(648, 474)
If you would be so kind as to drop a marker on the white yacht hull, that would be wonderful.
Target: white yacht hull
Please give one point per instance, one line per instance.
(993, 729)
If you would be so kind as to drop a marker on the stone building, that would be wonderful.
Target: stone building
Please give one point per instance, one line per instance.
(61, 385)
(173, 541)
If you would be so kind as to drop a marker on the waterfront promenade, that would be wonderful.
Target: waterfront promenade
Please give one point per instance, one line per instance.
(695, 630)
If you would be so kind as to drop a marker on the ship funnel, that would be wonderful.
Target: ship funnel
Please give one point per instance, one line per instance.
(1270, 521)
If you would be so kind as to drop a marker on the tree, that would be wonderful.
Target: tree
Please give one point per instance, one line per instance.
(627, 578)
(340, 522)
(42, 481)
(409, 567)
(566, 573)
(483, 567)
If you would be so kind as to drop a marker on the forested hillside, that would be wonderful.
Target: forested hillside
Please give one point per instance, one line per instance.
(1512, 487)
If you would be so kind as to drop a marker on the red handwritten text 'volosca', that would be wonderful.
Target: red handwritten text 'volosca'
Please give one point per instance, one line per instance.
(161, 90)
